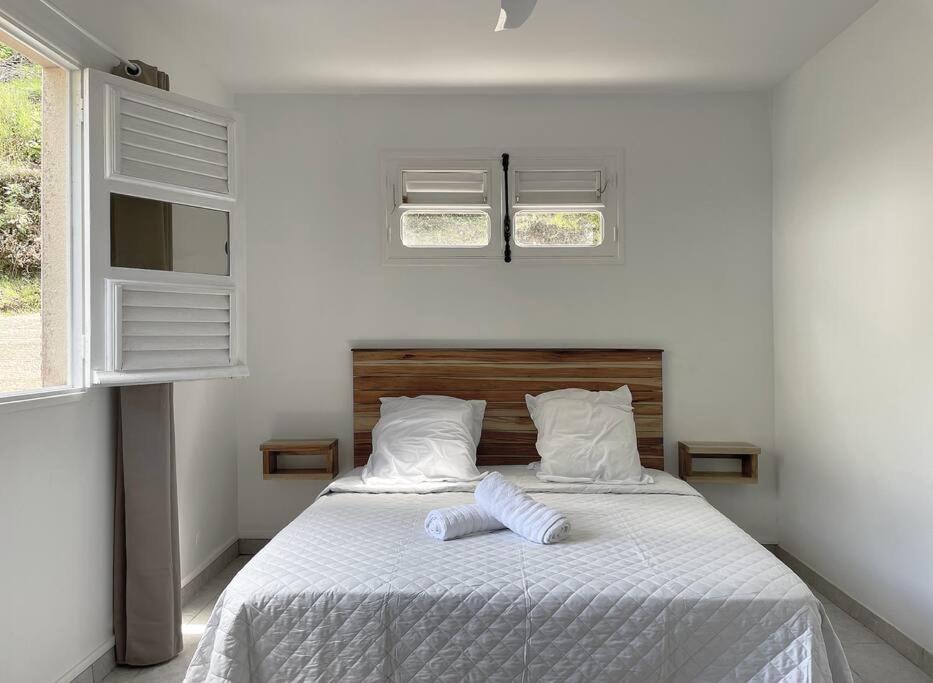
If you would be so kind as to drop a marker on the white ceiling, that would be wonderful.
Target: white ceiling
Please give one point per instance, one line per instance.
(586, 45)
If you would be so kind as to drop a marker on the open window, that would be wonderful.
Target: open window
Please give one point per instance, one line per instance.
(442, 209)
(40, 250)
(166, 281)
(565, 207)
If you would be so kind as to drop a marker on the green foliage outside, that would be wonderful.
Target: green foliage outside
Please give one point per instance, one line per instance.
(20, 211)
(532, 229)
(558, 229)
(19, 294)
(428, 229)
(20, 182)
(20, 110)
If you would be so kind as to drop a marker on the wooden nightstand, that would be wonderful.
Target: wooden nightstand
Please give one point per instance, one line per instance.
(746, 453)
(325, 449)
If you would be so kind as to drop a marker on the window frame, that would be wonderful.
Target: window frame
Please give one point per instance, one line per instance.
(609, 164)
(609, 161)
(395, 162)
(73, 234)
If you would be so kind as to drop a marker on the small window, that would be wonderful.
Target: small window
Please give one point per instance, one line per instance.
(442, 209)
(445, 229)
(565, 207)
(451, 208)
(558, 228)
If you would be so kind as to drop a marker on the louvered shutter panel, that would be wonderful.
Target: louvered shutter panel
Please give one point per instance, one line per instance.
(560, 188)
(174, 145)
(170, 329)
(445, 187)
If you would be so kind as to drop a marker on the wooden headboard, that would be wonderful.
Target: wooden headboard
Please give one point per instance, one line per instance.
(502, 377)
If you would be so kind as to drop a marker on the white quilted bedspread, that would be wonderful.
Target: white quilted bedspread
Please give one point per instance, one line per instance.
(653, 585)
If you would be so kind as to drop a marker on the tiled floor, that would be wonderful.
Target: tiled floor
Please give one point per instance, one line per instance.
(194, 618)
(871, 659)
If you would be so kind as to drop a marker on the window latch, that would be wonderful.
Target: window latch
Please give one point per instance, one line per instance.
(602, 190)
(507, 218)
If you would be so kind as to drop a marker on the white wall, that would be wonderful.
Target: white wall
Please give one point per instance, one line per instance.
(205, 453)
(853, 239)
(696, 281)
(56, 507)
(56, 463)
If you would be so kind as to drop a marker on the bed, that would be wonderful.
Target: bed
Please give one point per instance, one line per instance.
(653, 584)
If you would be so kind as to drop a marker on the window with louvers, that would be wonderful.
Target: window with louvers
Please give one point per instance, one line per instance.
(566, 207)
(489, 206)
(441, 209)
(166, 247)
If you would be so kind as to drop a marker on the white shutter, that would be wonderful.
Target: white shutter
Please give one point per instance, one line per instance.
(160, 328)
(155, 325)
(439, 187)
(558, 188)
(174, 145)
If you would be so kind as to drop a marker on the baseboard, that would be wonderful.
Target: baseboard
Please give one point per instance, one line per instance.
(251, 546)
(103, 660)
(210, 568)
(912, 651)
(95, 666)
(224, 548)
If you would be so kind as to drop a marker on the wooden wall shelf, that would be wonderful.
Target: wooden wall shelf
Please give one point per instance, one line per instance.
(746, 453)
(321, 448)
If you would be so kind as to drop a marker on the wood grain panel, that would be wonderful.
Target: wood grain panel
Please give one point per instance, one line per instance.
(514, 395)
(598, 371)
(502, 377)
(497, 356)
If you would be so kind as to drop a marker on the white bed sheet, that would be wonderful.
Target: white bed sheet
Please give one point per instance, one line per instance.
(652, 585)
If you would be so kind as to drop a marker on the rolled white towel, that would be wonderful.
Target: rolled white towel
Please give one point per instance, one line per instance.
(520, 512)
(445, 524)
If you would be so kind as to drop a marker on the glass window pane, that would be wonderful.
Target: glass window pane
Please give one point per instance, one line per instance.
(445, 229)
(146, 233)
(558, 228)
(35, 277)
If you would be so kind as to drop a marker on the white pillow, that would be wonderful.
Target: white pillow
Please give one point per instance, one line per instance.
(428, 438)
(587, 436)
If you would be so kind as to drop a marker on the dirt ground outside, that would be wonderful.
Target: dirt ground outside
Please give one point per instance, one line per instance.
(20, 352)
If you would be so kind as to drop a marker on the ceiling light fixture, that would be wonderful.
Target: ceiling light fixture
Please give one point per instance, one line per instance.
(514, 13)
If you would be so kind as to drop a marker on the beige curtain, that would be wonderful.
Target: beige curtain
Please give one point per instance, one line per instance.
(146, 575)
(146, 569)
(140, 233)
